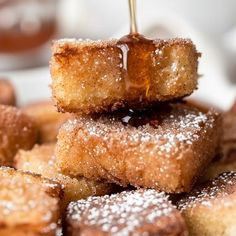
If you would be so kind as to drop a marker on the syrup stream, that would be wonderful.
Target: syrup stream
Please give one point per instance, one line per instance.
(132, 12)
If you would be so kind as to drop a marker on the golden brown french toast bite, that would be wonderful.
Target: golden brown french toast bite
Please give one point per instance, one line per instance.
(210, 209)
(95, 76)
(29, 204)
(41, 160)
(17, 131)
(7, 93)
(227, 161)
(165, 147)
(229, 134)
(47, 118)
(140, 212)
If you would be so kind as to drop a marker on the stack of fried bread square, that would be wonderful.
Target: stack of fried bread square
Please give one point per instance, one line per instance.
(132, 127)
(128, 135)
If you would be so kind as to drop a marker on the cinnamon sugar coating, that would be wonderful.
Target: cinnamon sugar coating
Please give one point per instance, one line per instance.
(94, 76)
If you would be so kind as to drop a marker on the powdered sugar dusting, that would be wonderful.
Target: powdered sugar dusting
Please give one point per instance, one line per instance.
(120, 214)
(215, 190)
(179, 125)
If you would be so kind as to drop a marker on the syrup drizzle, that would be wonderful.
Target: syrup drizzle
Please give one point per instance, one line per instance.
(132, 13)
(136, 52)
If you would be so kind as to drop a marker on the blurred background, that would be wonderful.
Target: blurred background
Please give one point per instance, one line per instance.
(27, 28)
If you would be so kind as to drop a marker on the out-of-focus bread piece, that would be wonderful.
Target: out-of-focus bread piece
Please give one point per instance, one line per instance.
(7, 93)
(41, 160)
(227, 161)
(47, 118)
(217, 167)
(140, 212)
(229, 134)
(210, 209)
(29, 204)
(95, 76)
(17, 131)
(166, 147)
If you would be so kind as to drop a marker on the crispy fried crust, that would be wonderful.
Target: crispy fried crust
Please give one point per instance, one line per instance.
(29, 204)
(140, 212)
(47, 118)
(164, 148)
(91, 76)
(41, 160)
(7, 93)
(17, 130)
(210, 209)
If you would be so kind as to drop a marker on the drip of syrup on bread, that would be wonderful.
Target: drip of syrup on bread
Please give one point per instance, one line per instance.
(136, 53)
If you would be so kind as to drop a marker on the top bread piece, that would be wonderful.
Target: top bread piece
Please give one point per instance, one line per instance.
(94, 76)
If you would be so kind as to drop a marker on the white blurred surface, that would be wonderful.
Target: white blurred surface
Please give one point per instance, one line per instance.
(31, 84)
(102, 18)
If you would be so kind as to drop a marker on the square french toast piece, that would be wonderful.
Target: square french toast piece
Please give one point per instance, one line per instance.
(17, 131)
(29, 204)
(95, 76)
(41, 160)
(47, 119)
(229, 133)
(140, 212)
(227, 161)
(210, 209)
(165, 147)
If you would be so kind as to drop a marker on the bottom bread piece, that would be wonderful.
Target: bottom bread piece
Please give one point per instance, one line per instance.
(29, 204)
(140, 212)
(41, 160)
(210, 209)
(166, 147)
